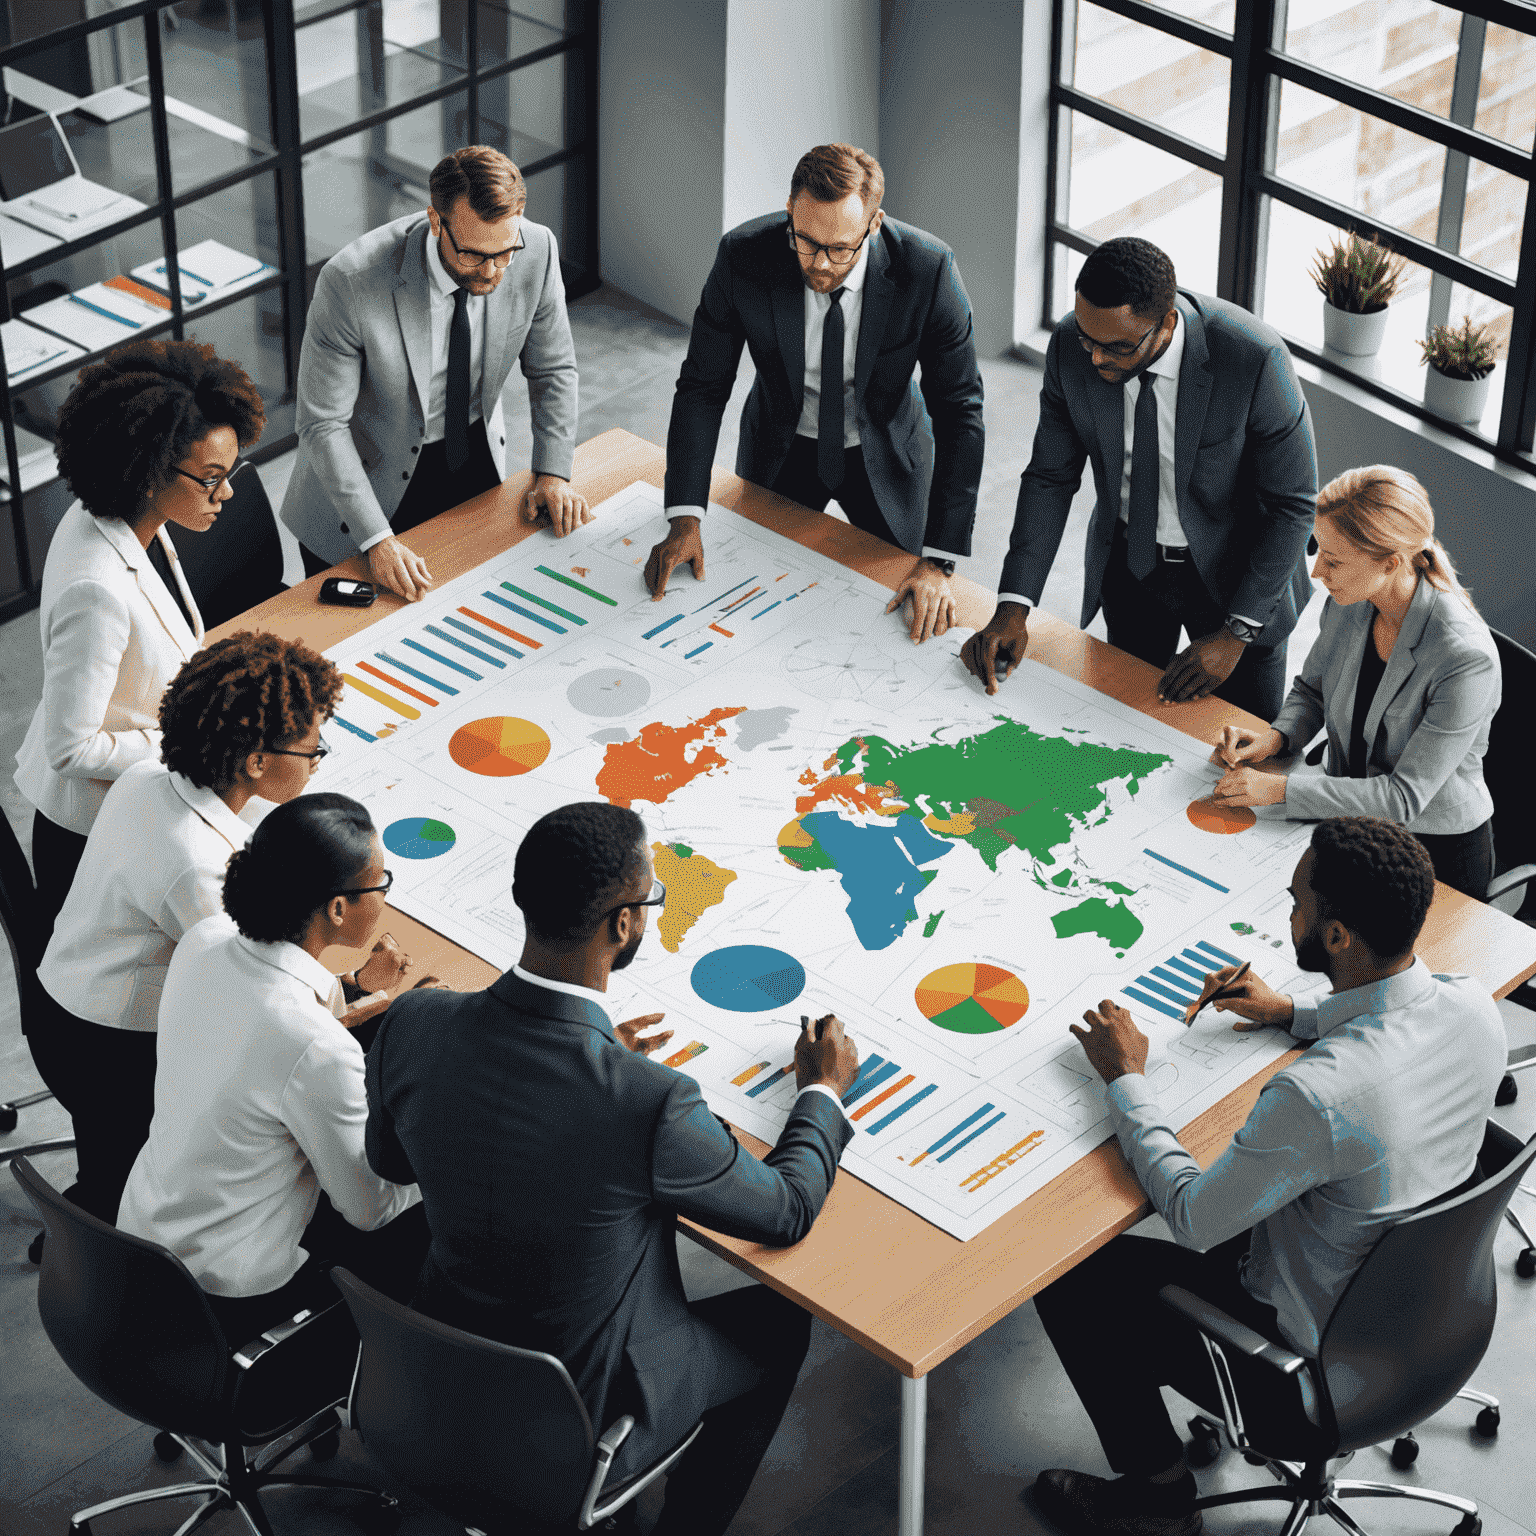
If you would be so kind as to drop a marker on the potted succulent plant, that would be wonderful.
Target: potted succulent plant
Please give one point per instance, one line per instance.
(1460, 360)
(1357, 279)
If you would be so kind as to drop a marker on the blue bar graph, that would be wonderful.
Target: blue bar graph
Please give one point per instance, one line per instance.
(902, 1108)
(527, 613)
(769, 1082)
(1203, 879)
(969, 1120)
(981, 1130)
(347, 725)
(1220, 954)
(866, 1066)
(1185, 986)
(1169, 988)
(500, 645)
(769, 609)
(868, 1082)
(543, 602)
(1198, 972)
(417, 646)
(389, 661)
(1147, 1001)
(717, 601)
(689, 655)
(650, 634)
(447, 639)
(1160, 989)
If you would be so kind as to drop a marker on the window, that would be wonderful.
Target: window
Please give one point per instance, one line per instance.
(1240, 135)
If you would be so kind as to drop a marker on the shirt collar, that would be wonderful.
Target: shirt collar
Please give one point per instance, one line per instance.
(1168, 365)
(298, 963)
(570, 988)
(120, 536)
(1385, 996)
(212, 809)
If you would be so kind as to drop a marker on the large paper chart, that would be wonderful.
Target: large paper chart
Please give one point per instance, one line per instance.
(844, 823)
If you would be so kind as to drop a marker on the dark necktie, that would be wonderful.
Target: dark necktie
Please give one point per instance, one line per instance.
(1146, 472)
(456, 403)
(829, 418)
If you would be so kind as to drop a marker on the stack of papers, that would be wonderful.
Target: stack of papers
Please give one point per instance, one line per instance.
(29, 351)
(35, 456)
(208, 270)
(96, 316)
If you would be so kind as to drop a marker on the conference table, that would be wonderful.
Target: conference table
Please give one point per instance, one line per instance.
(902, 1289)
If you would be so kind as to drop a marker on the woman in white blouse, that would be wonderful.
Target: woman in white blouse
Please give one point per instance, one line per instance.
(148, 436)
(260, 1105)
(240, 720)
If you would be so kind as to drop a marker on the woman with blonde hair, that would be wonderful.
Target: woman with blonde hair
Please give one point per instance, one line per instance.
(1403, 674)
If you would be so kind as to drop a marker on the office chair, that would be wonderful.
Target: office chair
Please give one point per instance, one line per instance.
(129, 1320)
(1401, 1342)
(490, 1434)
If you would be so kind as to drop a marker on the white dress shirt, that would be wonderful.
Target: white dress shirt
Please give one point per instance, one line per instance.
(600, 1000)
(113, 638)
(259, 1105)
(153, 868)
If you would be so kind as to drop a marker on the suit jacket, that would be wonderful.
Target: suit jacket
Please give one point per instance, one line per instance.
(1244, 466)
(1426, 730)
(365, 376)
(553, 1162)
(113, 638)
(924, 465)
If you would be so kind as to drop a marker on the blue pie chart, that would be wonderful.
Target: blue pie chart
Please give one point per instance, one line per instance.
(419, 837)
(748, 978)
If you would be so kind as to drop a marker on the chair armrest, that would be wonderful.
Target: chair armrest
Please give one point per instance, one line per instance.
(1226, 1330)
(613, 1437)
(1520, 1058)
(1510, 881)
(248, 1354)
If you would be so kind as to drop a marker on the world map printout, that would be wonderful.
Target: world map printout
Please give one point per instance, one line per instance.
(845, 823)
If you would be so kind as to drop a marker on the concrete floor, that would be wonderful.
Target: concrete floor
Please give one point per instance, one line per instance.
(999, 1411)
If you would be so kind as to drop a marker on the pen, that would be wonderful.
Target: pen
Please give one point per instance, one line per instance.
(121, 319)
(1228, 989)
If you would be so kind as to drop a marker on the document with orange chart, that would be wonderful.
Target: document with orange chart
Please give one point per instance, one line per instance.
(844, 823)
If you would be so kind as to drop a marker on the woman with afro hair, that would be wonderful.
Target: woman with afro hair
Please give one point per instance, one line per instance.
(148, 436)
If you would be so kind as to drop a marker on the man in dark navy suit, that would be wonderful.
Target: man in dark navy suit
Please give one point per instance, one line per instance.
(554, 1157)
(833, 289)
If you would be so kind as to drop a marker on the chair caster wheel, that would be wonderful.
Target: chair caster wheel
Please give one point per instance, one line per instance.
(35, 1249)
(167, 1447)
(1204, 1442)
(1405, 1451)
(1508, 1090)
(1488, 1422)
(1525, 1264)
(1468, 1525)
(325, 1446)
(8, 1118)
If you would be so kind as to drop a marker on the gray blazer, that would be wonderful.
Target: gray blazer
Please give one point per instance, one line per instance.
(1244, 465)
(1427, 728)
(364, 378)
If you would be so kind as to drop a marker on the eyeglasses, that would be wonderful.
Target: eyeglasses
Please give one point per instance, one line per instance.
(368, 890)
(479, 258)
(215, 481)
(657, 898)
(314, 757)
(837, 255)
(1113, 349)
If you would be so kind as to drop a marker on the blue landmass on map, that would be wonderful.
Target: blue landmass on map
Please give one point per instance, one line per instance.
(878, 865)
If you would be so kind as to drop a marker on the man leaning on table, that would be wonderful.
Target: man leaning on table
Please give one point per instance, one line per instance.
(411, 335)
(1385, 1110)
(832, 287)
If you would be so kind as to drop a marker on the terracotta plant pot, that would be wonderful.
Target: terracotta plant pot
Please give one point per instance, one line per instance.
(1353, 335)
(1462, 400)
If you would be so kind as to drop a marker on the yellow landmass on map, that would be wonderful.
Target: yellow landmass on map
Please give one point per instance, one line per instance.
(694, 885)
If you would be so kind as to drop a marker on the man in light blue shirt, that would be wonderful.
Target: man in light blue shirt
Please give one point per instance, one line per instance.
(1382, 1113)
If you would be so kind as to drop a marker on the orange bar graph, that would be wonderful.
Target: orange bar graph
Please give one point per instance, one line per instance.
(1003, 1161)
(501, 629)
(730, 634)
(880, 1098)
(394, 682)
(743, 598)
(387, 700)
(688, 1052)
(748, 1075)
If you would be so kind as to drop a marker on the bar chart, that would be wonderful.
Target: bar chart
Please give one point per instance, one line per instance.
(1171, 987)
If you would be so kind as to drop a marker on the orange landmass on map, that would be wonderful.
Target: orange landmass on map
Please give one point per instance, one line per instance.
(662, 759)
(854, 793)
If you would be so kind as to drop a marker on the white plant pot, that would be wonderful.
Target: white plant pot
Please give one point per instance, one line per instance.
(1353, 335)
(1462, 400)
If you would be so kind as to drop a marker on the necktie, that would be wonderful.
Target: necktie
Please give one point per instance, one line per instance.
(456, 404)
(829, 418)
(1146, 472)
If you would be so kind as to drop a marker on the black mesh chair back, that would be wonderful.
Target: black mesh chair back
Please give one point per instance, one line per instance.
(1507, 763)
(1416, 1318)
(489, 1433)
(128, 1319)
(18, 916)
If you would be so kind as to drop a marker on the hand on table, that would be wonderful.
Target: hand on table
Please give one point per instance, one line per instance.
(1254, 1001)
(825, 1054)
(399, 569)
(1242, 744)
(1202, 667)
(683, 545)
(1249, 786)
(553, 497)
(1112, 1043)
(993, 652)
(933, 603)
(629, 1034)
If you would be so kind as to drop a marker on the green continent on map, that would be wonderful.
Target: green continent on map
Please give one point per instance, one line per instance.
(1113, 921)
(694, 885)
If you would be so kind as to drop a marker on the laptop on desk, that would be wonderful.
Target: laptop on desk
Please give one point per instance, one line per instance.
(41, 184)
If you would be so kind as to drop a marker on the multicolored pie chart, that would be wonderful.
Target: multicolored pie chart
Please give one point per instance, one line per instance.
(419, 837)
(1225, 819)
(972, 999)
(499, 746)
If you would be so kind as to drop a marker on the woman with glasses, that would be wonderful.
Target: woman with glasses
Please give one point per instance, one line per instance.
(240, 721)
(254, 1173)
(148, 436)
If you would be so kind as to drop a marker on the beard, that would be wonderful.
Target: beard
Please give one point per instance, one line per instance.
(1311, 955)
(627, 954)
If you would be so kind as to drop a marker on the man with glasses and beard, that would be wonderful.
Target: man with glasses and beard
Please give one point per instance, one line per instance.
(412, 332)
(1203, 463)
(1384, 1111)
(843, 311)
(554, 1157)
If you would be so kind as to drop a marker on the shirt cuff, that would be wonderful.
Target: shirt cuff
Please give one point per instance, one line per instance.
(933, 552)
(684, 511)
(1246, 620)
(1130, 1091)
(1303, 1023)
(378, 538)
(822, 1088)
(1013, 597)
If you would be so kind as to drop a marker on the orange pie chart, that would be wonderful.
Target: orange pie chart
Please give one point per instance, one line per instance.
(499, 746)
(1210, 817)
(972, 999)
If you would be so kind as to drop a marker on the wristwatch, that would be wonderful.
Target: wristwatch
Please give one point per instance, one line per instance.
(946, 566)
(1244, 631)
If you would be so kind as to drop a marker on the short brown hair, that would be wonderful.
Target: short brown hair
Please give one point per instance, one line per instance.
(830, 172)
(494, 186)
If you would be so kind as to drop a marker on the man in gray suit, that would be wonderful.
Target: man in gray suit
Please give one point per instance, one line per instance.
(554, 1158)
(410, 338)
(1201, 445)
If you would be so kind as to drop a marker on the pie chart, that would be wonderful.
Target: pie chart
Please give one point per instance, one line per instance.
(1210, 817)
(610, 692)
(972, 999)
(748, 978)
(499, 746)
(418, 837)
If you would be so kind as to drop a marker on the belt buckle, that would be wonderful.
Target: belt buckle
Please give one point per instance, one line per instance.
(1174, 554)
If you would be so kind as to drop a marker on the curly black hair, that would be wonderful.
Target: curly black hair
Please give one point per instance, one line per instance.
(1374, 877)
(301, 855)
(573, 864)
(134, 415)
(248, 692)
(1129, 270)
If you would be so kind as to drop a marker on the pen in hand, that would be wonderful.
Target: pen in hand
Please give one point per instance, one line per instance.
(1228, 988)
